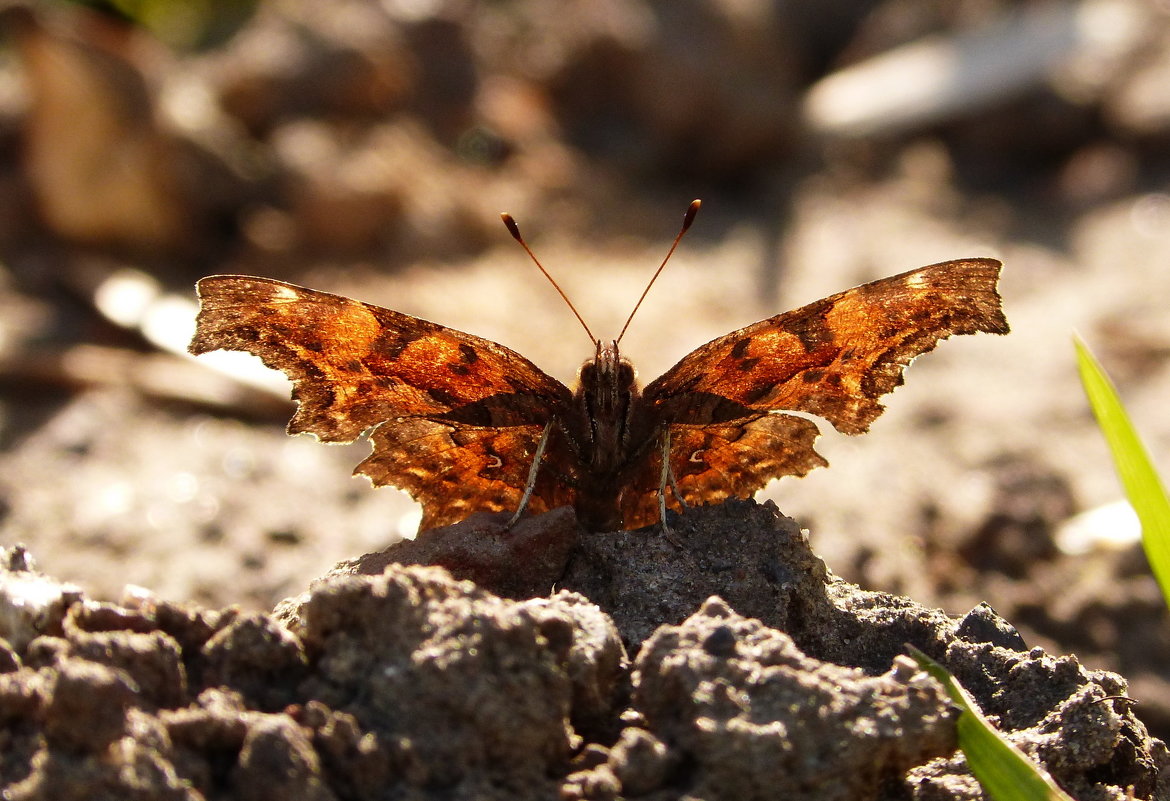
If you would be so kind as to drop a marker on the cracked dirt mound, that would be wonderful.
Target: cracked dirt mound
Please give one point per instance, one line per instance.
(413, 684)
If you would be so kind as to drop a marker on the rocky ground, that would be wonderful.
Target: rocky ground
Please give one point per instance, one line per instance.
(632, 680)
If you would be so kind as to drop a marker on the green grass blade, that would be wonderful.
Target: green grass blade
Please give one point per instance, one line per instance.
(1003, 770)
(1138, 476)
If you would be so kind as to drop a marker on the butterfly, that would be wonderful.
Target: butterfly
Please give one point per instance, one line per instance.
(465, 424)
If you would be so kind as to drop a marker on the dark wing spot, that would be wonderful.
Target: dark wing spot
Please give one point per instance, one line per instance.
(441, 396)
(747, 365)
(740, 348)
(459, 369)
(813, 332)
(283, 354)
(353, 366)
(391, 343)
(468, 353)
(812, 376)
(754, 394)
(926, 311)
(688, 384)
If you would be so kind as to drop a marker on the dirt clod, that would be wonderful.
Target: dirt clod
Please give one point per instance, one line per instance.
(413, 684)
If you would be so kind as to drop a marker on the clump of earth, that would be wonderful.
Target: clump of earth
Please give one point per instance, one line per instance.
(724, 661)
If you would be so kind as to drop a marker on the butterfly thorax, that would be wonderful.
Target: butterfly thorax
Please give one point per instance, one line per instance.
(606, 402)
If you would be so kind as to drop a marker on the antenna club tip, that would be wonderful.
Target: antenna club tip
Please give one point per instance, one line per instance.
(692, 210)
(510, 224)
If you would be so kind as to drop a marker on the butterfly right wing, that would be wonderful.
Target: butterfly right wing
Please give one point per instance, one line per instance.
(834, 358)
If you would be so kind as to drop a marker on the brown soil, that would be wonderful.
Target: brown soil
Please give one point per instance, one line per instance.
(410, 683)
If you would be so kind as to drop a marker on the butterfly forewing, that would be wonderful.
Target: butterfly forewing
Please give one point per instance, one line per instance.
(836, 357)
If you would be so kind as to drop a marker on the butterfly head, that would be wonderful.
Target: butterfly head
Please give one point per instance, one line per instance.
(607, 380)
(606, 398)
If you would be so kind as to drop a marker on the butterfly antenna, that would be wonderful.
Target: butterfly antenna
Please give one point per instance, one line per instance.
(514, 230)
(688, 218)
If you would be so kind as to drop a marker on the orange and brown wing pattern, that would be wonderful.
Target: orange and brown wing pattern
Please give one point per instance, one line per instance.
(456, 418)
(715, 462)
(836, 357)
(453, 469)
(355, 365)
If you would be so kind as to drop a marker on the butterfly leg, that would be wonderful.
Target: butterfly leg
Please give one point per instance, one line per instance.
(530, 485)
(668, 477)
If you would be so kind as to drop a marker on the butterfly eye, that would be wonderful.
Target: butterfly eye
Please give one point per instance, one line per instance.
(627, 375)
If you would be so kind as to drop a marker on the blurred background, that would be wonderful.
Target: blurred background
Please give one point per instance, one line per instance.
(366, 147)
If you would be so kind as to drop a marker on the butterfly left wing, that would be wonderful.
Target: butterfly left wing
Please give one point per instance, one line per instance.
(833, 358)
(458, 417)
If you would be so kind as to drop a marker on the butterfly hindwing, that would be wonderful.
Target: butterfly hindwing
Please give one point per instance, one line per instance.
(715, 462)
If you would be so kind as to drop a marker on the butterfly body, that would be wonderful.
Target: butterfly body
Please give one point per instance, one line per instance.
(459, 421)
(609, 433)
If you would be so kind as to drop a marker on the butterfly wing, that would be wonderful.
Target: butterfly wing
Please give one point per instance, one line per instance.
(468, 468)
(451, 409)
(721, 460)
(833, 358)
